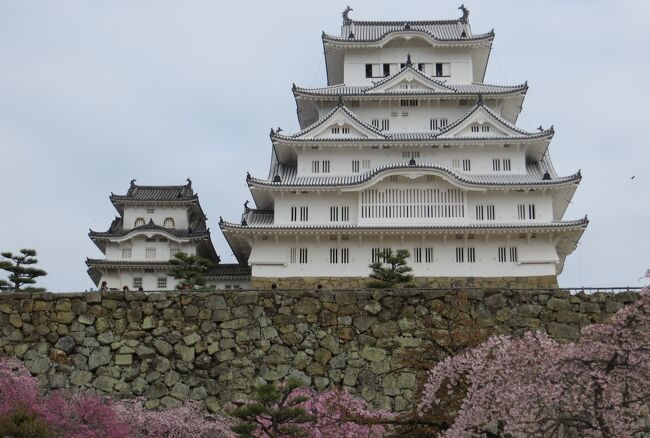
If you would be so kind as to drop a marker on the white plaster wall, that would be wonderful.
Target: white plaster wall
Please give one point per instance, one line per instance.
(160, 214)
(341, 158)
(319, 207)
(117, 279)
(355, 60)
(271, 260)
(139, 245)
(505, 203)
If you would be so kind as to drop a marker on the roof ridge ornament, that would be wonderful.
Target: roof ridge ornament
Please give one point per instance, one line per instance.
(346, 18)
(409, 63)
(479, 100)
(407, 26)
(246, 207)
(465, 18)
(339, 103)
(412, 162)
(189, 182)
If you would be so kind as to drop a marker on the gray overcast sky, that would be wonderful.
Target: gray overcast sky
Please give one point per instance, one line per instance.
(95, 93)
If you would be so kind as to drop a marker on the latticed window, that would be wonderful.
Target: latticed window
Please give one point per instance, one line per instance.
(162, 282)
(169, 223)
(137, 282)
(150, 253)
(126, 253)
(412, 203)
(173, 252)
(303, 255)
(139, 222)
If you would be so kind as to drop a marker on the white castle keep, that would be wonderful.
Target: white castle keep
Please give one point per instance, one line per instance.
(408, 148)
(155, 223)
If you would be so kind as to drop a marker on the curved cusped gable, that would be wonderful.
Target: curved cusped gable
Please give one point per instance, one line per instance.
(482, 122)
(338, 123)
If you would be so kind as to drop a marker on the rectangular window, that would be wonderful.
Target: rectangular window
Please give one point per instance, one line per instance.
(417, 255)
(411, 154)
(455, 164)
(334, 255)
(386, 70)
(326, 166)
(443, 69)
(531, 211)
(368, 70)
(480, 213)
(485, 128)
(173, 252)
(150, 210)
(334, 214)
(303, 255)
(467, 165)
(294, 214)
(137, 283)
(408, 102)
(376, 254)
(490, 213)
(513, 254)
(355, 166)
(292, 255)
(428, 255)
(471, 255)
(435, 124)
(503, 164)
(345, 255)
(345, 130)
(460, 255)
(475, 128)
(502, 254)
(521, 212)
(315, 166)
(126, 253)
(365, 164)
(336, 130)
(382, 124)
(150, 253)
(345, 213)
(162, 282)
(304, 214)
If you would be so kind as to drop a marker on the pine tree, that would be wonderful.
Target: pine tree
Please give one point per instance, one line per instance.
(190, 270)
(275, 412)
(20, 272)
(390, 269)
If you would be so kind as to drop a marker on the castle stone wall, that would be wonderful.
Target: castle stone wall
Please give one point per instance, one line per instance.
(213, 346)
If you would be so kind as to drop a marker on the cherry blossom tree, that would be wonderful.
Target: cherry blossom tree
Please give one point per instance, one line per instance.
(532, 385)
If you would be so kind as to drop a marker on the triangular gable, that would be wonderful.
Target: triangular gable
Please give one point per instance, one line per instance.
(482, 122)
(408, 80)
(340, 123)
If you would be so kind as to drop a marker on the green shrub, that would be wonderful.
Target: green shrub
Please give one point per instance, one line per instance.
(22, 422)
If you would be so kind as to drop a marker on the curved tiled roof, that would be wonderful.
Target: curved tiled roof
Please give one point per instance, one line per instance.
(219, 271)
(197, 229)
(136, 193)
(255, 220)
(438, 30)
(413, 136)
(533, 177)
(455, 89)
(325, 118)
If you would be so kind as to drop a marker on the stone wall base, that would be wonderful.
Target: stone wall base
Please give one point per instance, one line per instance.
(543, 282)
